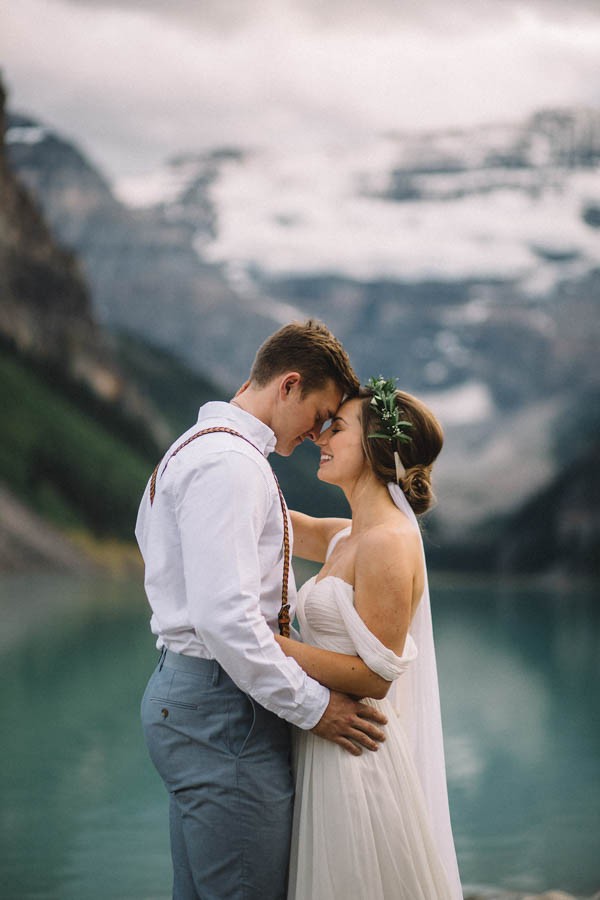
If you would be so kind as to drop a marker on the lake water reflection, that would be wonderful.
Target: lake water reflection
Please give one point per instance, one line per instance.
(84, 816)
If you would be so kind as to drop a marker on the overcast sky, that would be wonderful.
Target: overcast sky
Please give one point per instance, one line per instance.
(134, 82)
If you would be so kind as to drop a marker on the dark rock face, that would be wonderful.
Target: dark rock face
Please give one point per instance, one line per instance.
(45, 308)
(46, 312)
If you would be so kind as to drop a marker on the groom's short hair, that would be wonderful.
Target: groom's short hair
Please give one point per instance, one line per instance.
(310, 349)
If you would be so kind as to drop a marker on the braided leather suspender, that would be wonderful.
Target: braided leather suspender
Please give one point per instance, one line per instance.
(284, 613)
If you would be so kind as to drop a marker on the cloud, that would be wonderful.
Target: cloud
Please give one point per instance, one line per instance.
(231, 15)
(137, 81)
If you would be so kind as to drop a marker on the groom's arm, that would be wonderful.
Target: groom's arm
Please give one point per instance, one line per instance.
(222, 503)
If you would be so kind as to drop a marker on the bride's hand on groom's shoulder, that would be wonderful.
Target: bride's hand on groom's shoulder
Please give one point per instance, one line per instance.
(351, 724)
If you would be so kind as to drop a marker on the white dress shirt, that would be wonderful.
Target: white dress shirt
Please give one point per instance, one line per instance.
(212, 544)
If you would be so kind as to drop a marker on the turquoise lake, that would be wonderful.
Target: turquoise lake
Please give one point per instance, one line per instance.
(84, 816)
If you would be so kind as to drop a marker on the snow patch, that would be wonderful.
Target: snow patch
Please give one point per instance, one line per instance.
(150, 189)
(470, 402)
(164, 186)
(322, 212)
(25, 134)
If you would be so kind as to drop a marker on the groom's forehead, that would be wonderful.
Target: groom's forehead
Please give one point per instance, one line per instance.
(328, 398)
(332, 408)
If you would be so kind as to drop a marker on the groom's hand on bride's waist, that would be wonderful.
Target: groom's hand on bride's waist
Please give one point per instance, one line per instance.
(351, 724)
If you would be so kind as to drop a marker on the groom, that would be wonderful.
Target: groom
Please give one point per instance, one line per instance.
(216, 710)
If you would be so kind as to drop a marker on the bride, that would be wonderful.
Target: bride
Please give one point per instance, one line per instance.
(373, 826)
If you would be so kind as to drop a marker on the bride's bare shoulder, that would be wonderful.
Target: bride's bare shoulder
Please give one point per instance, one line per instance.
(387, 542)
(386, 568)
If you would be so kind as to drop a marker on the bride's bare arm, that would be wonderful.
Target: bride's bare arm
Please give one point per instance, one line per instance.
(337, 671)
(312, 535)
(383, 595)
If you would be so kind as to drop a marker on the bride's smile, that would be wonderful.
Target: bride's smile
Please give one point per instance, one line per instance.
(342, 457)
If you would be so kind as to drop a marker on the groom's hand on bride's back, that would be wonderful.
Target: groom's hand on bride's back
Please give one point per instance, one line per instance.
(351, 724)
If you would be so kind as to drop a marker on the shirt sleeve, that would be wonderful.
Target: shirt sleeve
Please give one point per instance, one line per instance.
(222, 506)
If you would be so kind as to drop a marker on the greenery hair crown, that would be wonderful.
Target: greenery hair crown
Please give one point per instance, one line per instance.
(383, 402)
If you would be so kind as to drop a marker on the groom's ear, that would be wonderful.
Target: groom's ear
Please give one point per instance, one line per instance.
(241, 389)
(289, 383)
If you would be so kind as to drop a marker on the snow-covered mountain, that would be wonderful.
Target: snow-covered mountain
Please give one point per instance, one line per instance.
(467, 263)
(515, 202)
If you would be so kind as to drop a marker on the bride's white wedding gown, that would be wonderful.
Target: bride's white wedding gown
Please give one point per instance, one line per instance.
(362, 829)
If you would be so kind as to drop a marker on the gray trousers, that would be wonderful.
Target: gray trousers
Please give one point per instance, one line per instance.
(225, 761)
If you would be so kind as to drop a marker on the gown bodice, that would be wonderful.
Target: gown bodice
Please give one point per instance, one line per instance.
(328, 619)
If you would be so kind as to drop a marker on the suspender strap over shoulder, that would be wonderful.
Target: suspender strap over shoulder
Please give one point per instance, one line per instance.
(284, 613)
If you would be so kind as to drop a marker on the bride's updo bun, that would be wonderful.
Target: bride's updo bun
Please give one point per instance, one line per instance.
(417, 488)
(417, 455)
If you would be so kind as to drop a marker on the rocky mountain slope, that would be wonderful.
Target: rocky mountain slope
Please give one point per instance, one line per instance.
(467, 263)
(143, 268)
(45, 307)
(79, 436)
(46, 312)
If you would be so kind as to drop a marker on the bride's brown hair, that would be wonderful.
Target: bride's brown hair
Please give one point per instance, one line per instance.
(417, 455)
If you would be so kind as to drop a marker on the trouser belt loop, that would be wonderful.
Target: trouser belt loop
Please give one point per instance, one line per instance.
(161, 660)
(216, 677)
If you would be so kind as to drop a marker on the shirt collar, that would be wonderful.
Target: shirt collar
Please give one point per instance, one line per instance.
(240, 420)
